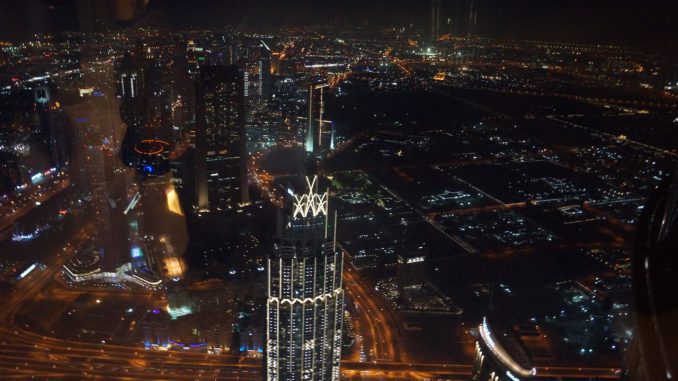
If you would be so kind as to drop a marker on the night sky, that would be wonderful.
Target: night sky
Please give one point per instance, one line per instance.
(651, 24)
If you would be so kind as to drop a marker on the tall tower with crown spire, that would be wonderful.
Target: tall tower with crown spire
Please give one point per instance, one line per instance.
(305, 296)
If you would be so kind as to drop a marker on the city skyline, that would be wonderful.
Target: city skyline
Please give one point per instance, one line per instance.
(440, 190)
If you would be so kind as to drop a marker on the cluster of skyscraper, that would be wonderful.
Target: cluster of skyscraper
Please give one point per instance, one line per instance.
(218, 106)
(304, 308)
(221, 166)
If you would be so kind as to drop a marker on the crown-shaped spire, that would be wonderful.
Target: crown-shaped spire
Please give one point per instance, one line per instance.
(310, 202)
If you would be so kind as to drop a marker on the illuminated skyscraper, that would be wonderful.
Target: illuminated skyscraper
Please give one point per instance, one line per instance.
(131, 88)
(220, 123)
(53, 123)
(411, 269)
(500, 354)
(265, 72)
(305, 295)
(316, 109)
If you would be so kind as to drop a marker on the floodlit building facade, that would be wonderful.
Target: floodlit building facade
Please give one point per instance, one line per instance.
(305, 295)
(499, 353)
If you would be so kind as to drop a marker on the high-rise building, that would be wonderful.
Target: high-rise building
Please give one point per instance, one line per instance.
(220, 123)
(145, 146)
(316, 109)
(305, 295)
(500, 354)
(59, 137)
(131, 88)
(435, 19)
(53, 124)
(246, 84)
(265, 72)
(156, 329)
(411, 269)
(195, 58)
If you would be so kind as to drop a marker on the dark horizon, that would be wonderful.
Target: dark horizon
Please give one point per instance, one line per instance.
(648, 25)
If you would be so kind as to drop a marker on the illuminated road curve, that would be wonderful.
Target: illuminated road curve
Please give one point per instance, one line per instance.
(379, 329)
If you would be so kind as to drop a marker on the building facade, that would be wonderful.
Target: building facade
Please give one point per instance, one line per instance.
(265, 85)
(220, 123)
(499, 353)
(132, 90)
(305, 295)
(315, 111)
(411, 269)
